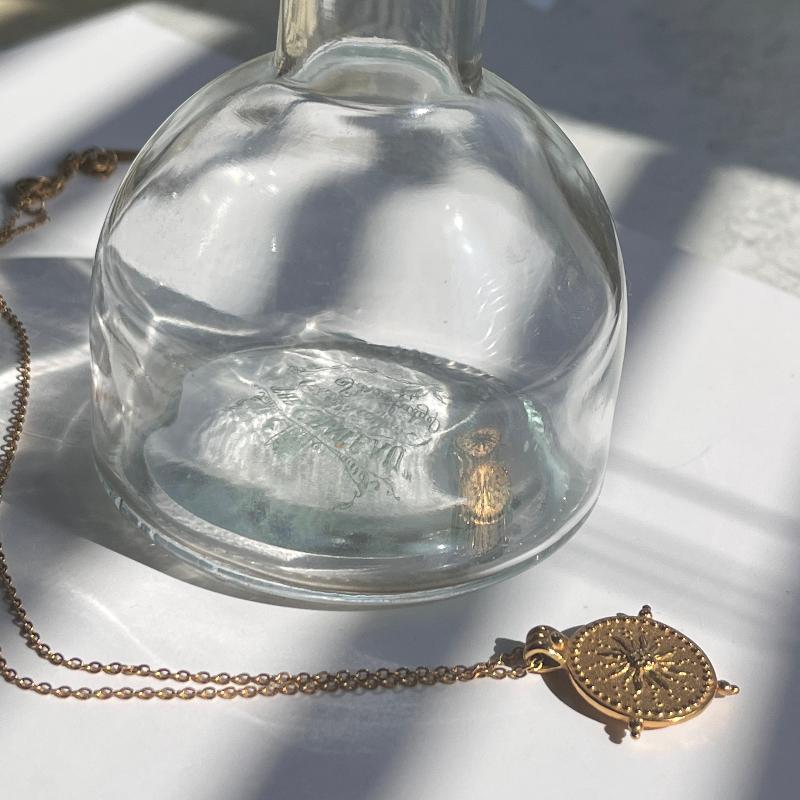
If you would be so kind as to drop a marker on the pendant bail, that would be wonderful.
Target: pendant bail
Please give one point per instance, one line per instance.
(544, 649)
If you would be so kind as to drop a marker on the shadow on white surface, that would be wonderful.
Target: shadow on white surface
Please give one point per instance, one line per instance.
(332, 748)
(641, 545)
(147, 72)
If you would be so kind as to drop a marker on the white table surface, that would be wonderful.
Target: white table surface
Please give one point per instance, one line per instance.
(699, 517)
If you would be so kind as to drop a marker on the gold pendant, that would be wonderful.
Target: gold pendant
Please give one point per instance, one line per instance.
(635, 669)
(485, 488)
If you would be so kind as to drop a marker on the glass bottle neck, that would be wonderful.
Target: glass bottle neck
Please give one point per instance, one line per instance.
(450, 30)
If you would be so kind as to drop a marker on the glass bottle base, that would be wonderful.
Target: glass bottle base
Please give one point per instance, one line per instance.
(254, 580)
(344, 471)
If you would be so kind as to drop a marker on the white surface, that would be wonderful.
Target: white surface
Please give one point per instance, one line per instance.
(699, 518)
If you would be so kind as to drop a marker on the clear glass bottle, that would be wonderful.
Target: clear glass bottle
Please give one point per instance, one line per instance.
(358, 316)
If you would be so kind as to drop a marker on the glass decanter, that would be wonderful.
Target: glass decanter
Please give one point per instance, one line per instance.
(358, 316)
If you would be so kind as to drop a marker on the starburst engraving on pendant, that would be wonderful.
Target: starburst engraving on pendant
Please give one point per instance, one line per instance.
(641, 661)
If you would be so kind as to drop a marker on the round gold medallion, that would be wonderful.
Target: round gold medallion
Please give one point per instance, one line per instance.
(638, 667)
(632, 668)
(487, 493)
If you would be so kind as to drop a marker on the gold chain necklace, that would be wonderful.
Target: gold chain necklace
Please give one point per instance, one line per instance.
(631, 668)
